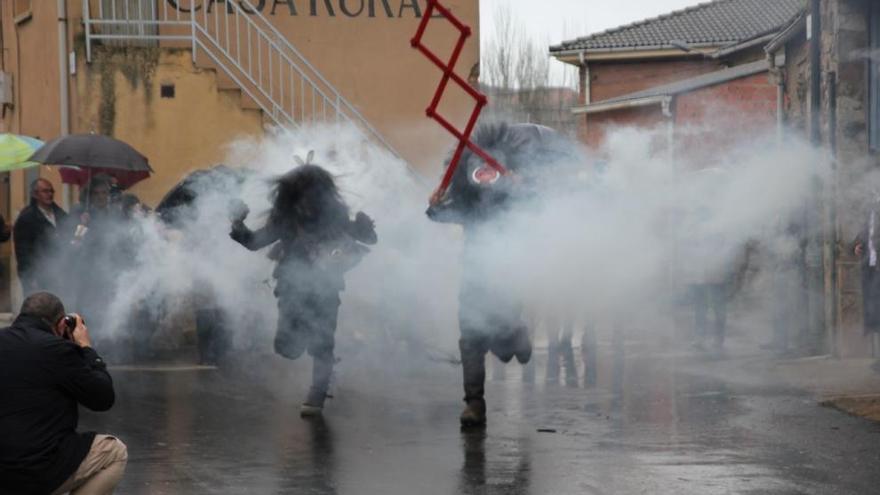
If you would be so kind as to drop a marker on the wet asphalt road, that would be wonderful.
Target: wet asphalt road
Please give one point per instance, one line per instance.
(670, 424)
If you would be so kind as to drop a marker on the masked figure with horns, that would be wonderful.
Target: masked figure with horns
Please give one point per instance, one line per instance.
(482, 201)
(317, 244)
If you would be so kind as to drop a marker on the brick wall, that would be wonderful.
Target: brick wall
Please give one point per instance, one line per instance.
(705, 120)
(710, 119)
(609, 80)
(597, 126)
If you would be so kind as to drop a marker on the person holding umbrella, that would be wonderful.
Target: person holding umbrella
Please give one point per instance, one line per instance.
(84, 157)
(94, 261)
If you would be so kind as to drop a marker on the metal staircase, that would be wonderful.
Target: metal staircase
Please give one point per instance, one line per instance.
(242, 43)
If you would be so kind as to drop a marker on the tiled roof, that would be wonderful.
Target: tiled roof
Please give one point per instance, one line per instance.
(716, 23)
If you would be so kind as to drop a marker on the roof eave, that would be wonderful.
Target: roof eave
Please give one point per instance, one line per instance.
(797, 25)
(629, 53)
(601, 107)
(744, 45)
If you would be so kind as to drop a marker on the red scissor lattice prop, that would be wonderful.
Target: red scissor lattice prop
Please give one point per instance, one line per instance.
(448, 68)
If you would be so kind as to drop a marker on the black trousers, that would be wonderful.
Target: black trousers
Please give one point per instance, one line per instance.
(871, 297)
(487, 323)
(307, 322)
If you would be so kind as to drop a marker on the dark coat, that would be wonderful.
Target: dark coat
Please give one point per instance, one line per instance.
(35, 237)
(5, 232)
(870, 275)
(43, 378)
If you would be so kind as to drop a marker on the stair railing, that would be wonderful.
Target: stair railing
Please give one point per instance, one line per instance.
(243, 44)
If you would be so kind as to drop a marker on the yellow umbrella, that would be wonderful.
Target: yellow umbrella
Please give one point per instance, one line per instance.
(15, 151)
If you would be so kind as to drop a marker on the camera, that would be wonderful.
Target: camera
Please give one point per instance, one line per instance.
(70, 322)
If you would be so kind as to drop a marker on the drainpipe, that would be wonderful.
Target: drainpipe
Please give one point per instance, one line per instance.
(820, 230)
(667, 107)
(777, 69)
(63, 85)
(588, 97)
(581, 126)
(815, 71)
(832, 237)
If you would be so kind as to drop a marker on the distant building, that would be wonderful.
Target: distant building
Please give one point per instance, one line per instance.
(680, 70)
(550, 106)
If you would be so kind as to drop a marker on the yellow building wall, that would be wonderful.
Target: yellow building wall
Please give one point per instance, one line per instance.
(119, 94)
(30, 55)
(370, 61)
(361, 46)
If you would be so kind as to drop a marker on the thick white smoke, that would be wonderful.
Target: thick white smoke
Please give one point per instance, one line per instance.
(621, 237)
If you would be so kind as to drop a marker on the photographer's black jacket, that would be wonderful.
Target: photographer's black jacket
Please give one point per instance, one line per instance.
(42, 380)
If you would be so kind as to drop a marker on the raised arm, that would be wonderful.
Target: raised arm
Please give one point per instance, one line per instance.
(253, 239)
(83, 374)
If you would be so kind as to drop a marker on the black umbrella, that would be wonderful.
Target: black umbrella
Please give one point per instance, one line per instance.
(93, 154)
(179, 203)
(92, 151)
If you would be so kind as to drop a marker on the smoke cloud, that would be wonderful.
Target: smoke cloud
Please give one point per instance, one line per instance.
(624, 238)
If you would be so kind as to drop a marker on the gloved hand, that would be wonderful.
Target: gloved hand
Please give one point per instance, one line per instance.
(364, 228)
(238, 210)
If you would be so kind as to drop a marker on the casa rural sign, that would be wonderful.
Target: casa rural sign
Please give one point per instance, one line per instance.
(313, 8)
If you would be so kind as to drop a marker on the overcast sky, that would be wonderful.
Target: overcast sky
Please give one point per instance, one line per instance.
(552, 21)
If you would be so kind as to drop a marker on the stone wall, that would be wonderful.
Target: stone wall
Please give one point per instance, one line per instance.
(844, 39)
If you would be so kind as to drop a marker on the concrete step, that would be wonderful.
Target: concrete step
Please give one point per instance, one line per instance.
(244, 101)
(225, 83)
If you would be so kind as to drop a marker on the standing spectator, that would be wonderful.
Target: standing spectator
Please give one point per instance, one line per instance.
(714, 271)
(35, 234)
(92, 257)
(47, 368)
(866, 248)
(784, 257)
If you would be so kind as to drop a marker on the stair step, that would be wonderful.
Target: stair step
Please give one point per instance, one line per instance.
(244, 100)
(225, 82)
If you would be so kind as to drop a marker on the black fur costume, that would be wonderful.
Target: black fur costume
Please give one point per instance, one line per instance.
(318, 244)
(480, 200)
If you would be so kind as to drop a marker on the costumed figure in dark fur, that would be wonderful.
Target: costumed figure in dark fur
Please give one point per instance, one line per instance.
(480, 199)
(317, 244)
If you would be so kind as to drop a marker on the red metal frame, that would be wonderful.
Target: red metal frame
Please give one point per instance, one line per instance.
(448, 68)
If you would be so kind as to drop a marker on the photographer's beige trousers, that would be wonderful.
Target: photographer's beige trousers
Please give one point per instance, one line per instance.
(100, 471)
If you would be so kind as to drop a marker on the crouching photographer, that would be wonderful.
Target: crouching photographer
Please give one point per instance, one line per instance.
(48, 368)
